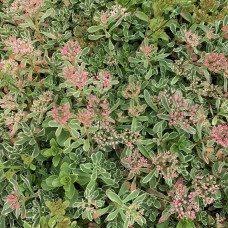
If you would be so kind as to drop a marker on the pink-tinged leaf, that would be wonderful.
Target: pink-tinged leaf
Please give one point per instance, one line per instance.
(164, 217)
(66, 2)
(100, 212)
(179, 182)
(155, 193)
(133, 186)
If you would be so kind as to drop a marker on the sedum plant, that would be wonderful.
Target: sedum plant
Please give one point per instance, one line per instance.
(113, 113)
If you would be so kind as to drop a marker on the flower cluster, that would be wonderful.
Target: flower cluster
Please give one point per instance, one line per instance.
(61, 114)
(9, 66)
(105, 79)
(146, 51)
(8, 102)
(86, 117)
(19, 46)
(178, 68)
(135, 212)
(220, 222)
(130, 138)
(75, 77)
(192, 39)
(183, 113)
(221, 135)
(131, 91)
(99, 108)
(40, 105)
(136, 110)
(13, 199)
(71, 51)
(135, 163)
(28, 6)
(184, 203)
(205, 187)
(225, 29)
(216, 63)
(15, 117)
(166, 165)
(106, 136)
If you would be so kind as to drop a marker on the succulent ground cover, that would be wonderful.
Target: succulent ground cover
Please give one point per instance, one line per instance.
(113, 114)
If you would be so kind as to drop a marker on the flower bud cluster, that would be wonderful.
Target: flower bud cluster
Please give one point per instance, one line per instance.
(13, 199)
(105, 79)
(135, 162)
(166, 165)
(9, 66)
(192, 39)
(130, 138)
(75, 77)
(184, 114)
(28, 6)
(216, 63)
(106, 136)
(19, 46)
(205, 187)
(184, 203)
(61, 114)
(71, 51)
(131, 91)
(221, 135)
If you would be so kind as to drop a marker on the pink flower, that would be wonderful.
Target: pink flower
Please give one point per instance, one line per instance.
(166, 165)
(216, 63)
(19, 46)
(61, 114)
(225, 29)
(75, 77)
(135, 163)
(86, 117)
(28, 6)
(184, 203)
(13, 199)
(221, 135)
(105, 79)
(71, 51)
(131, 91)
(192, 39)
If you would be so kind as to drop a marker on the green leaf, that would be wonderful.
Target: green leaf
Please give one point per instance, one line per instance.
(50, 179)
(165, 103)
(26, 182)
(93, 29)
(53, 123)
(30, 22)
(142, 16)
(134, 124)
(148, 177)
(58, 131)
(49, 35)
(47, 14)
(124, 188)
(149, 101)
(131, 196)
(86, 145)
(95, 37)
(47, 153)
(175, 80)
(112, 215)
(56, 160)
(114, 197)
(36, 151)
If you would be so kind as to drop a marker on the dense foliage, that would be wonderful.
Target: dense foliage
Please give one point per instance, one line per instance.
(113, 113)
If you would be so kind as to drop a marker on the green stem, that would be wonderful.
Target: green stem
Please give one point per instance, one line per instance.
(33, 68)
(38, 30)
(203, 140)
(20, 90)
(88, 137)
(68, 128)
